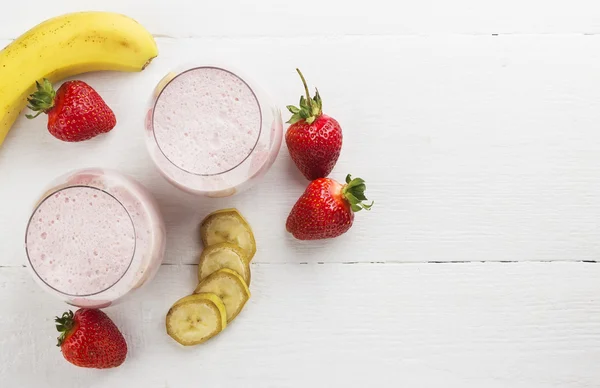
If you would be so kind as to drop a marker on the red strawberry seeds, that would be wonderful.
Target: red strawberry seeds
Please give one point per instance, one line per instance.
(326, 209)
(90, 339)
(76, 112)
(314, 139)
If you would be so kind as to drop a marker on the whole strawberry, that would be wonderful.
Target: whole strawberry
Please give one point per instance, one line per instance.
(76, 112)
(313, 139)
(326, 209)
(90, 339)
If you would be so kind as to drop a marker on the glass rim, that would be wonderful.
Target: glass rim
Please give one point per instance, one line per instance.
(260, 126)
(132, 226)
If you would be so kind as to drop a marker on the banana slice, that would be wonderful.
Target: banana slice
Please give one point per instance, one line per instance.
(230, 287)
(163, 82)
(196, 318)
(223, 255)
(228, 225)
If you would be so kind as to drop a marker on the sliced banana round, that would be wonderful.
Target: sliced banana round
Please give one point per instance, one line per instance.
(196, 318)
(223, 255)
(230, 287)
(228, 225)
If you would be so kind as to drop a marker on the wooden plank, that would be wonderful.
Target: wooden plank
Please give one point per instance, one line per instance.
(187, 18)
(474, 148)
(524, 325)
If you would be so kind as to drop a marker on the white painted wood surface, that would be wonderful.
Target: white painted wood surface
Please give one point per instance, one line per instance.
(477, 127)
(522, 325)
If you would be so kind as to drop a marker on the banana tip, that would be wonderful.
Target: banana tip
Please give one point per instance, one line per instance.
(147, 63)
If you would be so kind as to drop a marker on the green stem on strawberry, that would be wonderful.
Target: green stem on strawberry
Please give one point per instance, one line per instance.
(64, 325)
(310, 108)
(308, 99)
(354, 192)
(42, 100)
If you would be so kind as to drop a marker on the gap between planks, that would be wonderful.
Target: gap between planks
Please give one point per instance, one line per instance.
(378, 263)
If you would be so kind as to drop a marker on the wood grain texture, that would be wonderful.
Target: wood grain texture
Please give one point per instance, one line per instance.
(475, 124)
(475, 148)
(519, 325)
(189, 18)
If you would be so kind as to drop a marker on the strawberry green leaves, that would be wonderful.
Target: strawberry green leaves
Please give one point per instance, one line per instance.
(309, 108)
(42, 100)
(354, 192)
(64, 325)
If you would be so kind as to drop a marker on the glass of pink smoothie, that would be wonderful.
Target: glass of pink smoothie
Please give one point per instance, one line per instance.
(212, 132)
(94, 236)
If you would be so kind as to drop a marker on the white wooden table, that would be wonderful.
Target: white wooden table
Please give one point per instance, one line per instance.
(477, 127)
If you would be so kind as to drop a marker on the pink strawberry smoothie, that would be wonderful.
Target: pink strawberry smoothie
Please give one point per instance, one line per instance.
(94, 236)
(80, 241)
(207, 121)
(212, 133)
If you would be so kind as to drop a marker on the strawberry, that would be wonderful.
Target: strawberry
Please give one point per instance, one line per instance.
(90, 339)
(313, 138)
(76, 112)
(326, 209)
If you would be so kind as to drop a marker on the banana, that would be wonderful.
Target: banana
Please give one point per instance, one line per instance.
(163, 83)
(196, 319)
(228, 225)
(66, 46)
(230, 287)
(223, 255)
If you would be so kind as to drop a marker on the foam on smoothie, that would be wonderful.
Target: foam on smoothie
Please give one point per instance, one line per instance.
(80, 241)
(207, 121)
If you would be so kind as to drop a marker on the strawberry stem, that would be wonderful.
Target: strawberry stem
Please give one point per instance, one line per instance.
(308, 99)
(309, 108)
(354, 192)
